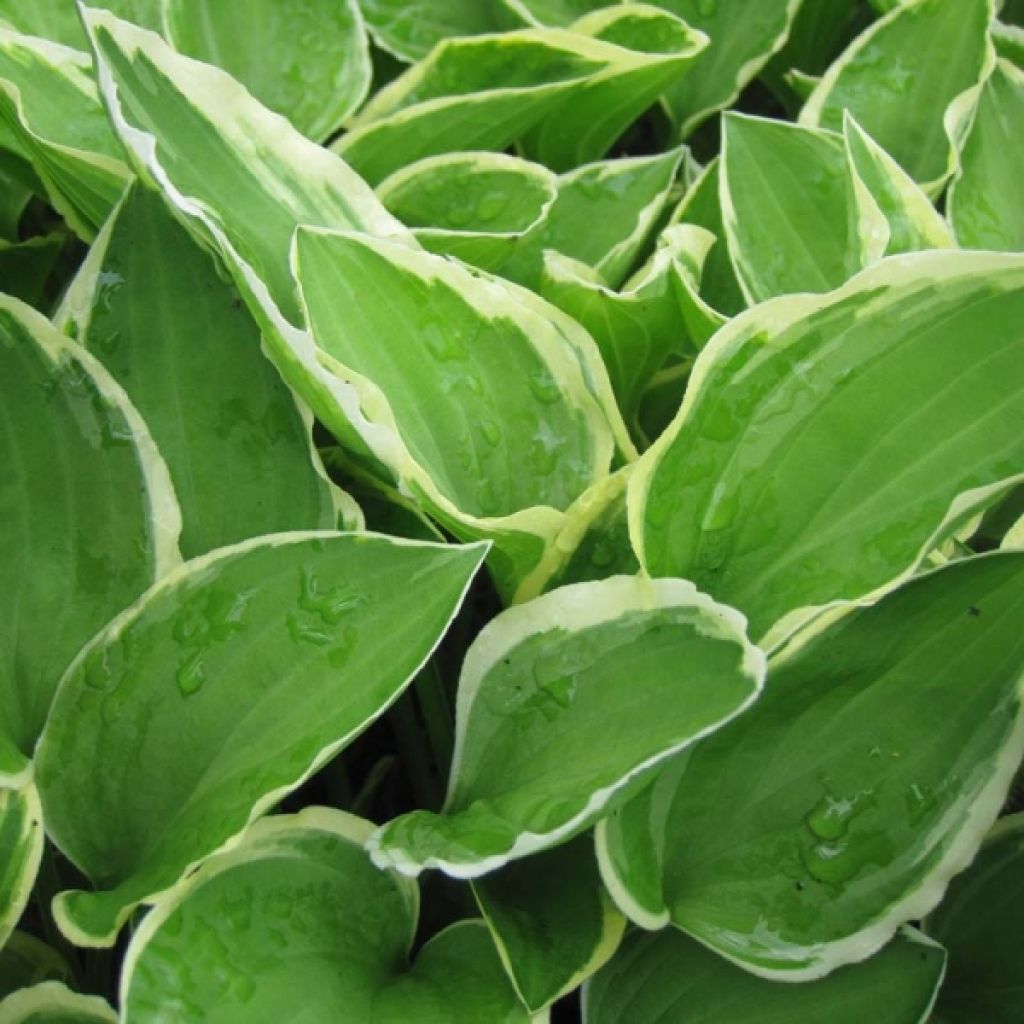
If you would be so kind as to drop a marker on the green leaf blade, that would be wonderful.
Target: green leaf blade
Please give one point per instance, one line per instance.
(246, 670)
(885, 746)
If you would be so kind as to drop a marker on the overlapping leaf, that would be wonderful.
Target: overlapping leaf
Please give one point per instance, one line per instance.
(543, 685)
(826, 444)
(892, 83)
(21, 847)
(896, 986)
(986, 199)
(235, 443)
(569, 93)
(89, 511)
(222, 689)
(308, 61)
(51, 115)
(884, 747)
(212, 951)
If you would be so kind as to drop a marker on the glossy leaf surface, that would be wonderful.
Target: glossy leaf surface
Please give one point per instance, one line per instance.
(308, 61)
(776, 488)
(85, 499)
(305, 884)
(885, 746)
(986, 200)
(541, 686)
(235, 443)
(242, 672)
(684, 981)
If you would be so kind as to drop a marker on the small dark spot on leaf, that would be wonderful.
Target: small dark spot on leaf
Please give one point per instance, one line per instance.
(973, 611)
(799, 886)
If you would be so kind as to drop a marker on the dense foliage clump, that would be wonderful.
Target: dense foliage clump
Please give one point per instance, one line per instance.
(511, 510)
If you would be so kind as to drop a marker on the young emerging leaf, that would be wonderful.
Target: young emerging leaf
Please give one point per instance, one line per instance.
(986, 199)
(701, 208)
(881, 186)
(979, 921)
(552, 920)
(50, 110)
(884, 747)
(308, 61)
(897, 986)
(892, 82)
(21, 848)
(302, 885)
(228, 684)
(653, 663)
(54, 1003)
(569, 93)
(788, 209)
(59, 19)
(637, 328)
(90, 518)
(827, 443)
(235, 442)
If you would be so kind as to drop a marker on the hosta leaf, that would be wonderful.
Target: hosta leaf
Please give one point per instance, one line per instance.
(89, 512)
(308, 61)
(54, 1003)
(788, 208)
(552, 920)
(244, 671)
(410, 29)
(21, 847)
(541, 686)
(701, 207)
(25, 267)
(684, 981)
(744, 34)
(979, 922)
(884, 746)
(583, 126)
(49, 108)
(913, 223)
(235, 443)
(212, 950)
(827, 443)
(636, 328)
(986, 199)
(603, 216)
(497, 403)
(241, 175)
(59, 19)
(26, 961)
(476, 206)
(484, 92)
(890, 80)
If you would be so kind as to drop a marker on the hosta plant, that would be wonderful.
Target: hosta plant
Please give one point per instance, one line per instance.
(511, 511)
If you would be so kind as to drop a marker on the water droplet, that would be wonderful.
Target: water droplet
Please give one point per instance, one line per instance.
(490, 431)
(190, 675)
(442, 342)
(544, 387)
